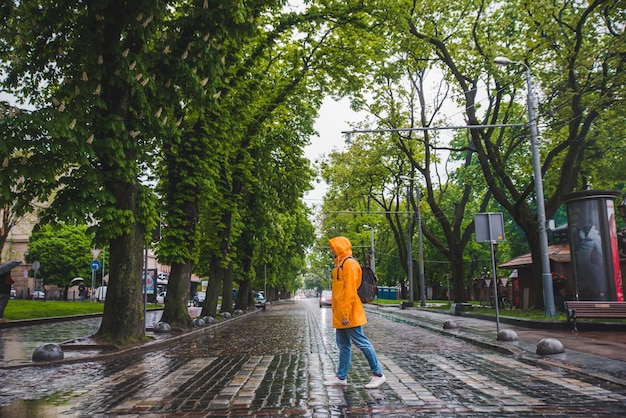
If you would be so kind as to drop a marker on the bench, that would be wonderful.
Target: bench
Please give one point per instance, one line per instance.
(592, 309)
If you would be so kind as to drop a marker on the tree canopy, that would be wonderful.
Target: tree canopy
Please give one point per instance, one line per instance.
(63, 253)
(193, 115)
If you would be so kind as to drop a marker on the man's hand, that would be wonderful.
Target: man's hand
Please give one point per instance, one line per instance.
(345, 321)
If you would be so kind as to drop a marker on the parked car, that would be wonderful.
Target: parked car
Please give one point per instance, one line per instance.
(38, 294)
(161, 297)
(326, 298)
(259, 299)
(198, 298)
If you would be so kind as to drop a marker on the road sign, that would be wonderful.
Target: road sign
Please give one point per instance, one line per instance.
(489, 227)
(95, 252)
(36, 265)
(95, 265)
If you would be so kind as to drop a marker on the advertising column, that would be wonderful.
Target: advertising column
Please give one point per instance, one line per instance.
(593, 245)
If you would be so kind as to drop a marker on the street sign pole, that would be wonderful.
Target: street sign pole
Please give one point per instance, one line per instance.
(489, 228)
(95, 266)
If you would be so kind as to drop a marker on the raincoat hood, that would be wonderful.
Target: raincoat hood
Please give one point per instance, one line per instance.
(342, 248)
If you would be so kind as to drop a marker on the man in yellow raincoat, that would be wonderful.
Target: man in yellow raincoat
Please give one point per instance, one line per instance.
(349, 315)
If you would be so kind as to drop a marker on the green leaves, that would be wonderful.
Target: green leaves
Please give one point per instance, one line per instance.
(63, 253)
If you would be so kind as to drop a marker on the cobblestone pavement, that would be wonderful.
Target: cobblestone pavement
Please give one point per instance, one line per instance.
(273, 363)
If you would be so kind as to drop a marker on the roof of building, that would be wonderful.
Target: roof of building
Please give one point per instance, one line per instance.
(557, 252)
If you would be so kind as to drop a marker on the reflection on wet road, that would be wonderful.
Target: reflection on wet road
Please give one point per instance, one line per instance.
(18, 344)
(273, 363)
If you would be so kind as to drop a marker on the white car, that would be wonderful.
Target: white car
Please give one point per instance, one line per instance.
(259, 299)
(38, 294)
(326, 298)
(161, 297)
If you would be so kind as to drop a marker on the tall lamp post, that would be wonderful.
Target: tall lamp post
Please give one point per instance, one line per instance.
(420, 243)
(546, 276)
(372, 253)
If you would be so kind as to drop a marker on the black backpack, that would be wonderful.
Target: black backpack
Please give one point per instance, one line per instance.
(368, 289)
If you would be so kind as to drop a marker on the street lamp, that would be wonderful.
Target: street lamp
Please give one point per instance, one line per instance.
(420, 243)
(372, 254)
(546, 276)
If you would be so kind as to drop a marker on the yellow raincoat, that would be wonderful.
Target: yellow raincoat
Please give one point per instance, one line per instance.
(346, 280)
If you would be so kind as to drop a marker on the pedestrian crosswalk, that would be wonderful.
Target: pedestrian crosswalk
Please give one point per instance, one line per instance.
(475, 389)
(407, 389)
(209, 375)
(574, 385)
(482, 389)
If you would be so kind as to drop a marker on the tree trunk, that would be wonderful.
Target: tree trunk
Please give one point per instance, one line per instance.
(215, 283)
(123, 318)
(175, 312)
(227, 289)
(458, 278)
(535, 252)
(243, 295)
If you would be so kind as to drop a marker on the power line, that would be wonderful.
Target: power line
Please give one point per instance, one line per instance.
(435, 128)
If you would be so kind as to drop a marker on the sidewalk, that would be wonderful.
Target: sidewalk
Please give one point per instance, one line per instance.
(600, 354)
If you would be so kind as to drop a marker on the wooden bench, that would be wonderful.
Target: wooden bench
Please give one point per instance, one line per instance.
(592, 309)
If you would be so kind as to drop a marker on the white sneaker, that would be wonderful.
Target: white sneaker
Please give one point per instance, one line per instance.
(376, 381)
(335, 381)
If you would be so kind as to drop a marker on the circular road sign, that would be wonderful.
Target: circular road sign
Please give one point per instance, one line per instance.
(95, 265)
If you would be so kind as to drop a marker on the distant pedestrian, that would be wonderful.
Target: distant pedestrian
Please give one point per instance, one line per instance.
(349, 315)
(5, 293)
(81, 291)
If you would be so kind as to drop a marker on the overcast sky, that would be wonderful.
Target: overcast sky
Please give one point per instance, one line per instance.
(334, 118)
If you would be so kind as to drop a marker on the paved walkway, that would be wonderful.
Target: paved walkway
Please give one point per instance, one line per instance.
(273, 363)
(597, 353)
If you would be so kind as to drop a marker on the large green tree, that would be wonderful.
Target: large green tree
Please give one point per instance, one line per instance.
(578, 96)
(194, 153)
(573, 50)
(271, 101)
(62, 251)
(85, 69)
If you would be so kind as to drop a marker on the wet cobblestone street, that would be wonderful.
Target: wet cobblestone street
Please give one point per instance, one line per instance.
(273, 363)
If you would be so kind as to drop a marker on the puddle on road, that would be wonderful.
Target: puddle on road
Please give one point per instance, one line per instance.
(18, 344)
(40, 408)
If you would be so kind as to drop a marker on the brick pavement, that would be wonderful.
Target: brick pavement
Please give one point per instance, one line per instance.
(600, 354)
(273, 363)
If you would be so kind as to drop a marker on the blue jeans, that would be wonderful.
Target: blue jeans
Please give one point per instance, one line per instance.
(345, 337)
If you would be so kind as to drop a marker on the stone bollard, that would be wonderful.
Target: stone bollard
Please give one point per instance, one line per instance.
(226, 315)
(238, 312)
(550, 346)
(507, 335)
(198, 322)
(163, 327)
(450, 325)
(209, 320)
(48, 352)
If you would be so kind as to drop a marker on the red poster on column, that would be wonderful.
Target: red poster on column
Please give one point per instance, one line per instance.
(617, 271)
